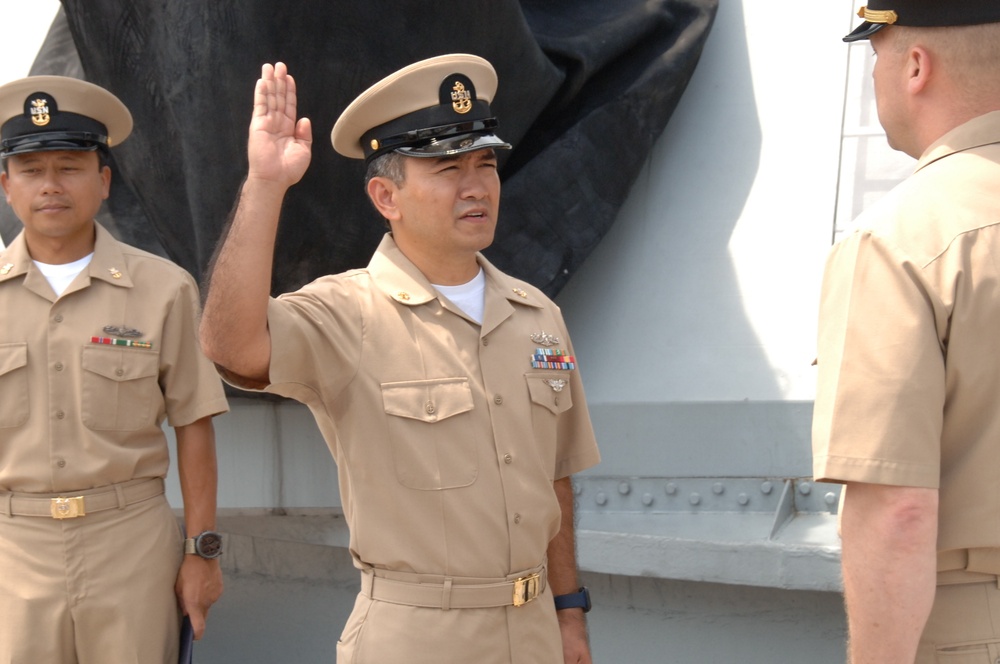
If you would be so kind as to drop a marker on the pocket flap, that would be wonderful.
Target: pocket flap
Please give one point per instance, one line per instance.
(427, 400)
(551, 390)
(120, 363)
(13, 356)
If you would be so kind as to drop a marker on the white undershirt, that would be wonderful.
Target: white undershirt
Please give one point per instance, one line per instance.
(469, 297)
(61, 276)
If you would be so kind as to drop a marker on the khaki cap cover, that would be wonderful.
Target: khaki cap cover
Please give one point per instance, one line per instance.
(71, 96)
(410, 89)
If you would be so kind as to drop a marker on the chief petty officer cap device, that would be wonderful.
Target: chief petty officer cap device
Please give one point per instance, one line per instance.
(46, 113)
(923, 14)
(432, 108)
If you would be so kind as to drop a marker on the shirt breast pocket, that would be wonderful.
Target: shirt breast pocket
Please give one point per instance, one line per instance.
(550, 395)
(14, 402)
(551, 391)
(120, 389)
(431, 431)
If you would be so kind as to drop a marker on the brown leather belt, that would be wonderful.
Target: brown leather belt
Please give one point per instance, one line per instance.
(69, 506)
(452, 593)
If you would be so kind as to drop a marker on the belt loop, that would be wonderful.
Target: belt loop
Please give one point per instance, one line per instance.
(120, 493)
(367, 583)
(446, 594)
(6, 505)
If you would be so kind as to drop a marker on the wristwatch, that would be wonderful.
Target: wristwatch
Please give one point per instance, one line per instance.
(207, 545)
(579, 599)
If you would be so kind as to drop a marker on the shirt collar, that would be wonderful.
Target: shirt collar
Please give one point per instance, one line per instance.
(398, 278)
(107, 265)
(979, 131)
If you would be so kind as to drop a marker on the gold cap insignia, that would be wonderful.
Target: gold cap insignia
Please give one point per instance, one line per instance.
(374, 144)
(886, 16)
(40, 112)
(461, 99)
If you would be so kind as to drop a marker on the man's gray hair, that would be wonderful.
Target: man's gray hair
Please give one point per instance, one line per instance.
(388, 165)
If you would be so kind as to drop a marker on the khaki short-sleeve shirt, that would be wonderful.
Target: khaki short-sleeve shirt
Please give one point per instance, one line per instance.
(87, 378)
(447, 438)
(909, 343)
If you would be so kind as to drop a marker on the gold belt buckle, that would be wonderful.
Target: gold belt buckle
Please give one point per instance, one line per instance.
(67, 508)
(526, 589)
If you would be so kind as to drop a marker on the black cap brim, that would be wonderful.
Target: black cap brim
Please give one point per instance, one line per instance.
(864, 31)
(453, 145)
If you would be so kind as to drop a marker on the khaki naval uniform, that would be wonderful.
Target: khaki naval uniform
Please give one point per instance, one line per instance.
(447, 442)
(79, 416)
(909, 363)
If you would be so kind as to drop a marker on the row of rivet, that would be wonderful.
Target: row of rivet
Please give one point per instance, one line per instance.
(671, 489)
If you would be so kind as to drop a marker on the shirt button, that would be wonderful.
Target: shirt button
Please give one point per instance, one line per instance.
(556, 401)
(507, 458)
(119, 372)
(430, 408)
(59, 366)
(517, 518)
(58, 318)
(61, 463)
(498, 400)
(486, 342)
(60, 415)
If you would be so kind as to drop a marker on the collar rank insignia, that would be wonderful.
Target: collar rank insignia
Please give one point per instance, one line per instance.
(520, 293)
(552, 358)
(544, 339)
(115, 273)
(7, 267)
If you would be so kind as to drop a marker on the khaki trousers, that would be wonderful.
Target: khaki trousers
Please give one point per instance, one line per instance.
(964, 626)
(91, 590)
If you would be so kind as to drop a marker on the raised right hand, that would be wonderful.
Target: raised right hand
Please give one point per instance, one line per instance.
(279, 146)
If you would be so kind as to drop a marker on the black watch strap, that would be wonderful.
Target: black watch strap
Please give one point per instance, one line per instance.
(578, 600)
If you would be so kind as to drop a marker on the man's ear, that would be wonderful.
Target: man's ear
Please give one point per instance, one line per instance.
(919, 68)
(382, 192)
(106, 182)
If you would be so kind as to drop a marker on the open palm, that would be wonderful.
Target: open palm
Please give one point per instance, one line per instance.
(279, 145)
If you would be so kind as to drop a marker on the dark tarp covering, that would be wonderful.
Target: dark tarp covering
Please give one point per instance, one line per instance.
(585, 89)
